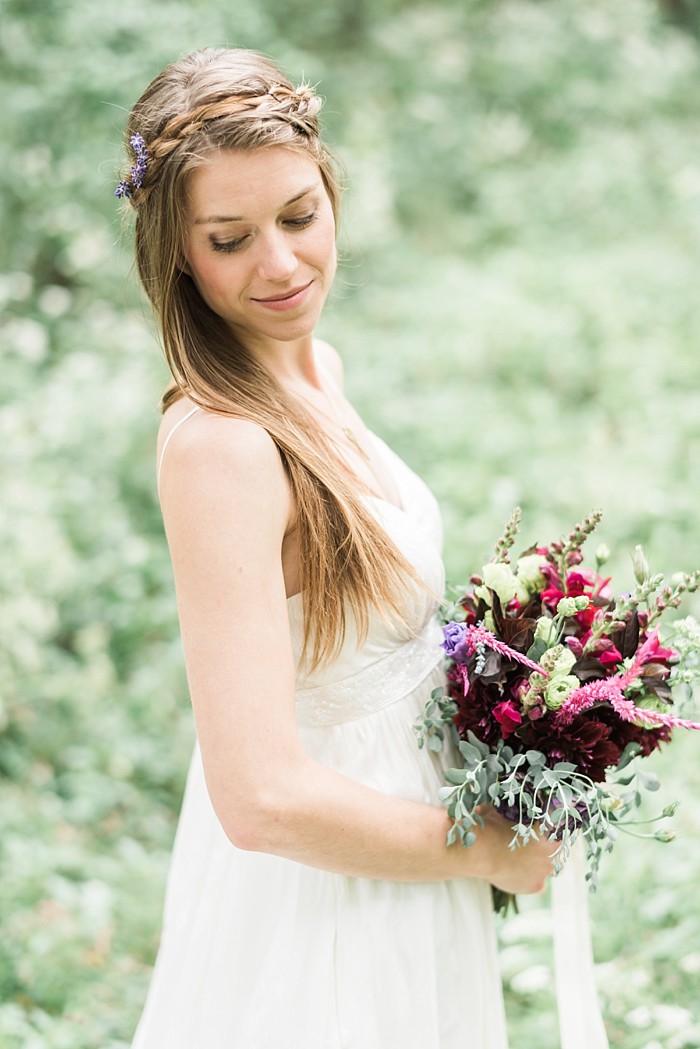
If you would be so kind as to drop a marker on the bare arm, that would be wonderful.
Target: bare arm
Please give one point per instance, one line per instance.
(226, 503)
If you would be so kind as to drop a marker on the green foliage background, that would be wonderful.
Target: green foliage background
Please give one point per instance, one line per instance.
(518, 315)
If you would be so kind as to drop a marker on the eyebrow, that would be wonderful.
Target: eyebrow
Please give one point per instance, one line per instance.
(213, 219)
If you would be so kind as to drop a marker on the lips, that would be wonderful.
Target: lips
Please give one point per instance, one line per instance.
(287, 301)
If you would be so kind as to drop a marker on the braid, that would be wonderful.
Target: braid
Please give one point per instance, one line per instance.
(297, 107)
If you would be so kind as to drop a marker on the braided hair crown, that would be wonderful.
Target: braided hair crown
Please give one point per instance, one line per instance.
(216, 98)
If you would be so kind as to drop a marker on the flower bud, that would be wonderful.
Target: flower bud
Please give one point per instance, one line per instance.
(670, 810)
(665, 835)
(602, 555)
(611, 803)
(569, 606)
(546, 630)
(641, 565)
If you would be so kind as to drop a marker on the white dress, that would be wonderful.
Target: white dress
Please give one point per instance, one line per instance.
(259, 952)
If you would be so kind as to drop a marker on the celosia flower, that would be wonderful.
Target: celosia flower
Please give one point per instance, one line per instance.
(477, 637)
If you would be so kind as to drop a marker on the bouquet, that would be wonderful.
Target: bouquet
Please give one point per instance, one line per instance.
(555, 686)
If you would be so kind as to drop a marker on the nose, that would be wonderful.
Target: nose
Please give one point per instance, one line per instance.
(276, 258)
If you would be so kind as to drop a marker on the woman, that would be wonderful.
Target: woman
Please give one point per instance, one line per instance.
(312, 901)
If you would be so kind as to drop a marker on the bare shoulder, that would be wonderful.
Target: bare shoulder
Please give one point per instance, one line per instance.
(329, 358)
(219, 460)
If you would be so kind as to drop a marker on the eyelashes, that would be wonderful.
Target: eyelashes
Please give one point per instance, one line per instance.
(230, 246)
(302, 221)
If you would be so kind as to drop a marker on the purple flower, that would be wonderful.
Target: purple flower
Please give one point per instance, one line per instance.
(454, 635)
(138, 169)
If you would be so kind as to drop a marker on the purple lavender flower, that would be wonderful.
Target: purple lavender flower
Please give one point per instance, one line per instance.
(138, 169)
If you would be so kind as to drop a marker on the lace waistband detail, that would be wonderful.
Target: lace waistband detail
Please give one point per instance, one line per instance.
(377, 686)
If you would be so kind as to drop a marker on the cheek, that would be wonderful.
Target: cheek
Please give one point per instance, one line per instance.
(209, 276)
(202, 281)
(326, 245)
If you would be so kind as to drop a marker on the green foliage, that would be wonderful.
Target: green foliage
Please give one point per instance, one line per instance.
(517, 310)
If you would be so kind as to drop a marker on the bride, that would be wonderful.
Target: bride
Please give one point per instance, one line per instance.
(312, 902)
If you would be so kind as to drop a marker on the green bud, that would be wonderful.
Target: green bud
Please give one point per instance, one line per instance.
(569, 606)
(611, 803)
(602, 555)
(546, 630)
(665, 835)
(641, 565)
(670, 810)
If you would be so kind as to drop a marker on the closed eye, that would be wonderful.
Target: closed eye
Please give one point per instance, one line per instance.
(297, 223)
(229, 245)
(302, 221)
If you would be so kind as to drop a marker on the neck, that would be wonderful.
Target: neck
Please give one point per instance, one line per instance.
(293, 363)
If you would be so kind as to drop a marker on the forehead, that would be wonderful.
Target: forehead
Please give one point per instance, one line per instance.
(240, 184)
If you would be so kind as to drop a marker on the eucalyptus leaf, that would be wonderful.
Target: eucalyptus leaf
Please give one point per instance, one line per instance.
(470, 752)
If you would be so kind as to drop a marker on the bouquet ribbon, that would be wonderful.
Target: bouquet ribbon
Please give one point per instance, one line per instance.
(580, 1020)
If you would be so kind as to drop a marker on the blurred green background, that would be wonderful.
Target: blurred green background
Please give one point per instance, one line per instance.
(519, 317)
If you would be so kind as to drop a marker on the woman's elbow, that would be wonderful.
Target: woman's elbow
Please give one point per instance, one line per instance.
(258, 825)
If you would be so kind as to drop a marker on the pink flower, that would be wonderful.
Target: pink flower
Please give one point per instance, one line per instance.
(603, 590)
(577, 582)
(552, 596)
(610, 690)
(651, 651)
(609, 655)
(575, 645)
(508, 717)
(463, 675)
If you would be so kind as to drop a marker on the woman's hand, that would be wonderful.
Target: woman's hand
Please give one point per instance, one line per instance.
(521, 870)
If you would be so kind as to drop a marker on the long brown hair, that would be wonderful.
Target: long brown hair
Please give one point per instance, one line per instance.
(236, 99)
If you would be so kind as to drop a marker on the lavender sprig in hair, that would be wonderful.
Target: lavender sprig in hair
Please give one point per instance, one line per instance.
(138, 169)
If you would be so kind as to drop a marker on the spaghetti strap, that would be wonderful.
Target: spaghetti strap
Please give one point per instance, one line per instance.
(167, 439)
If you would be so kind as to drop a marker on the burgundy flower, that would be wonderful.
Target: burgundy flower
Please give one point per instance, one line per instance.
(579, 581)
(586, 742)
(625, 732)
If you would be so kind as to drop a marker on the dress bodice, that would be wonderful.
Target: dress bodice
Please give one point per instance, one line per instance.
(363, 678)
